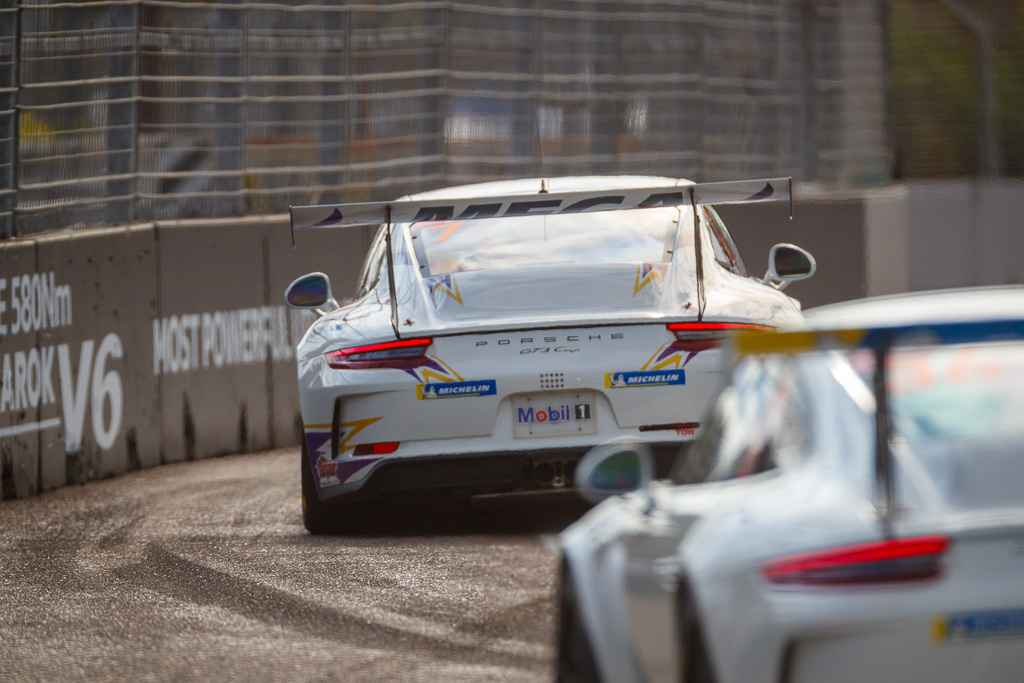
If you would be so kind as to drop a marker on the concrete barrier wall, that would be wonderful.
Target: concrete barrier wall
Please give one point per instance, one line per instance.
(105, 418)
(909, 237)
(830, 227)
(966, 233)
(19, 441)
(127, 348)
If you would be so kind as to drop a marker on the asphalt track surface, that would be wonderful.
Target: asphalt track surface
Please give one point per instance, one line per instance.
(203, 571)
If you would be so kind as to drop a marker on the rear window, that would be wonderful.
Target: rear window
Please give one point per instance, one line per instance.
(638, 236)
(958, 418)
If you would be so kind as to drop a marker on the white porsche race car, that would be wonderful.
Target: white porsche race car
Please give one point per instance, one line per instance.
(853, 511)
(500, 330)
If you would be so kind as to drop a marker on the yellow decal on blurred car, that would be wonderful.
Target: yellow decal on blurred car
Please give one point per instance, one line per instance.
(750, 342)
(966, 626)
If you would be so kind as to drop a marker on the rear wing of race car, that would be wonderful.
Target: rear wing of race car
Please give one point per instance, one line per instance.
(541, 203)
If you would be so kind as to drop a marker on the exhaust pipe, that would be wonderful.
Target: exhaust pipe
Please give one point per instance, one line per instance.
(544, 473)
(554, 473)
(569, 471)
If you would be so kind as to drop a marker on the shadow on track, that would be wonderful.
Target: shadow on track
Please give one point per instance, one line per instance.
(505, 514)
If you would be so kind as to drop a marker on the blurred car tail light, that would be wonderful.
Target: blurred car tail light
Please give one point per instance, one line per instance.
(703, 336)
(382, 448)
(908, 559)
(397, 354)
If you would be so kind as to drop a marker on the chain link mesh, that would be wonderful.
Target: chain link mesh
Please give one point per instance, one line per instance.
(142, 110)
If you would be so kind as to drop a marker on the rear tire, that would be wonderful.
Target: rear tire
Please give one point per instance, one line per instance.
(366, 516)
(694, 660)
(575, 658)
(315, 515)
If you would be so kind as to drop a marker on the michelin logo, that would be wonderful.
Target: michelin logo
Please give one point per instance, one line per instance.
(483, 387)
(620, 380)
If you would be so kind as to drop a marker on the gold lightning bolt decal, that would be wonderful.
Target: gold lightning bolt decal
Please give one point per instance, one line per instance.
(451, 290)
(658, 363)
(356, 427)
(346, 431)
(646, 273)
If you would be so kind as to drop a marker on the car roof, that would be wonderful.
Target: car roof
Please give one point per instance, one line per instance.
(974, 304)
(565, 184)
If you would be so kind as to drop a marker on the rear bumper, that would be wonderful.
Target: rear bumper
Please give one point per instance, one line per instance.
(503, 472)
(632, 378)
(965, 625)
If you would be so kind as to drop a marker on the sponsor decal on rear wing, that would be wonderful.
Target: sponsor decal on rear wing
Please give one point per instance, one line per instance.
(411, 211)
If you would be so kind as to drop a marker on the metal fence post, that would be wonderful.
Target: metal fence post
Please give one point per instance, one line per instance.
(349, 104)
(331, 113)
(432, 113)
(228, 110)
(524, 108)
(445, 108)
(700, 92)
(984, 46)
(10, 47)
(121, 115)
(607, 113)
(808, 131)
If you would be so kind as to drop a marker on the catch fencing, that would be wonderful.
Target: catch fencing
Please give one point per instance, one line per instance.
(121, 111)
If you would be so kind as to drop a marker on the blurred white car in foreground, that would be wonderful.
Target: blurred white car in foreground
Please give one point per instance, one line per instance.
(500, 330)
(809, 536)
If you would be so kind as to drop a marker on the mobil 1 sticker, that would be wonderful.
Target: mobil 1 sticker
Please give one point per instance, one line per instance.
(554, 414)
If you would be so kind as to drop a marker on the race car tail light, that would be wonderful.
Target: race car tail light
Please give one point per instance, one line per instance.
(703, 336)
(397, 354)
(382, 448)
(908, 559)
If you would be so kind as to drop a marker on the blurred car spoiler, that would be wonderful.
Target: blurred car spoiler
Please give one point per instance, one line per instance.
(758, 342)
(880, 340)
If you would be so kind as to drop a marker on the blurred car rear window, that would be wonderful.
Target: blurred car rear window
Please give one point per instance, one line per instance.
(958, 411)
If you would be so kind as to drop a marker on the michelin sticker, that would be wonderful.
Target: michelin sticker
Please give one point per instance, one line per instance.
(622, 380)
(483, 387)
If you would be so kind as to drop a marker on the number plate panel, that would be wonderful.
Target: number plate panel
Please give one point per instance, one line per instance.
(554, 414)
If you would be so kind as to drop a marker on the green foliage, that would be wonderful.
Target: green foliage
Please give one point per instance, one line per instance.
(1010, 89)
(935, 92)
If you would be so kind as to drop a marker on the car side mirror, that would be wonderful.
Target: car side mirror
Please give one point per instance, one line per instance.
(612, 469)
(311, 292)
(788, 263)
